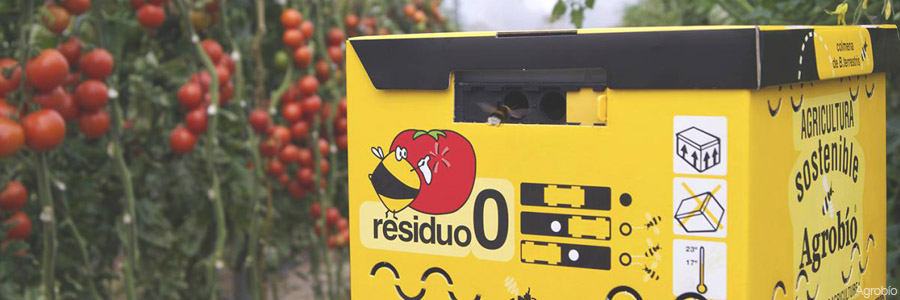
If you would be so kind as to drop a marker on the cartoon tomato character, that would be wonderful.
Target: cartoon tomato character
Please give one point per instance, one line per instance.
(445, 163)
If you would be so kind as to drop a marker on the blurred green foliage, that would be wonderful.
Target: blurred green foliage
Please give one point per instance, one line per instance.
(797, 12)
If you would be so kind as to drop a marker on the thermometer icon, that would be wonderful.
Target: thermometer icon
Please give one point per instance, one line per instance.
(701, 288)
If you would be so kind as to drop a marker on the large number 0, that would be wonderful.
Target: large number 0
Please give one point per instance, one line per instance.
(502, 219)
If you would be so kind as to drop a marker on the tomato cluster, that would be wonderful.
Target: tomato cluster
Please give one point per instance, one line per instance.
(419, 12)
(195, 97)
(18, 226)
(56, 16)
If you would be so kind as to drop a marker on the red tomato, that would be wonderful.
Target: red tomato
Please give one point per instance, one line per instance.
(71, 49)
(77, 7)
(182, 140)
(12, 137)
(342, 225)
(213, 49)
(409, 10)
(335, 36)
(95, 124)
(341, 142)
(303, 56)
(97, 64)
(55, 17)
(351, 21)
(291, 18)
(6, 110)
(323, 166)
(223, 75)
(259, 120)
(305, 157)
(282, 134)
(300, 131)
(307, 28)
(295, 189)
(269, 147)
(315, 210)
(323, 70)
(342, 107)
(228, 62)
(135, 4)
(151, 16)
(21, 226)
(336, 54)
(225, 93)
(312, 104)
(305, 176)
(275, 169)
(72, 79)
(292, 112)
(44, 130)
(289, 154)
(11, 83)
(340, 124)
(370, 22)
(332, 215)
(203, 79)
(48, 70)
(284, 179)
(190, 95)
(324, 148)
(383, 31)
(291, 94)
(292, 38)
(60, 101)
(196, 120)
(91, 95)
(326, 111)
(308, 85)
(13, 196)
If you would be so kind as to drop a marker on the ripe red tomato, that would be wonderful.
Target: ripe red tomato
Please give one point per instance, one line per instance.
(305, 157)
(196, 120)
(97, 64)
(11, 83)
(409, 10)
(292, 112)
(315, 210)
(135, 4)
(323, 166)
(60, 101)
(21, 226)
(291, 94)
(308, 85)
(213, 49)
(77, 7)
(323, 70)
(203, 79)
(91, 95)
(71, 49)
(342, 225)
(300, 131)
(312, 104)
(305, 176)
(370, 22)
(223, 75)
(94, 124)
(341, 142)
(72, 79)
(326, 111)
(182, 140)
(12, 137)
(44, 130)
(48, 70)
(289, 154)
(307, 28)
(190, 95)
(282, 134)
(336, 54)
(284, 179)
(259, 120)
(225, 93)
(269, 147)
(151, 16)
(420, 17)
(332, 215)
(275, 169)
(303, 56)
(383, 31)
(228, 62)
(335, 36)
(295, 189)
(324, 147)
(351, 21)
(292, 38)
(7, 111)
(342, 107)
(291, 18)
(13, 196)
(340, 124)
(55, 17)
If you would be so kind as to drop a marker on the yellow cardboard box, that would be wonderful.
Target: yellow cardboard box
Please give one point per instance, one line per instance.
(738, 162)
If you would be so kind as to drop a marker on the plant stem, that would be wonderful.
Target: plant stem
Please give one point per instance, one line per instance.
(82, 246)
(25, 47)
(209, 149)
(48, 217)
(130, 218)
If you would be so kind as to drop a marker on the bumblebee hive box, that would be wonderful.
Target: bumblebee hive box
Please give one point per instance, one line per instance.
(537, 165)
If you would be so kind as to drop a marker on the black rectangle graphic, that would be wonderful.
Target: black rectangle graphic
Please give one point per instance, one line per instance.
(571, 196)
(574, 226)
(566, 255)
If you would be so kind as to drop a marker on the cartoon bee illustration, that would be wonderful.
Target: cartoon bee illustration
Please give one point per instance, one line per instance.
(395, 179)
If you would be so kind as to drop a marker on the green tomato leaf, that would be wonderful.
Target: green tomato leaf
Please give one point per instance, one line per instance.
(558, 10)
(589, 3)
(577, 16)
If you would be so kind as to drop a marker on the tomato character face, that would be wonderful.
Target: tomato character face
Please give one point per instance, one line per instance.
(445, 163)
